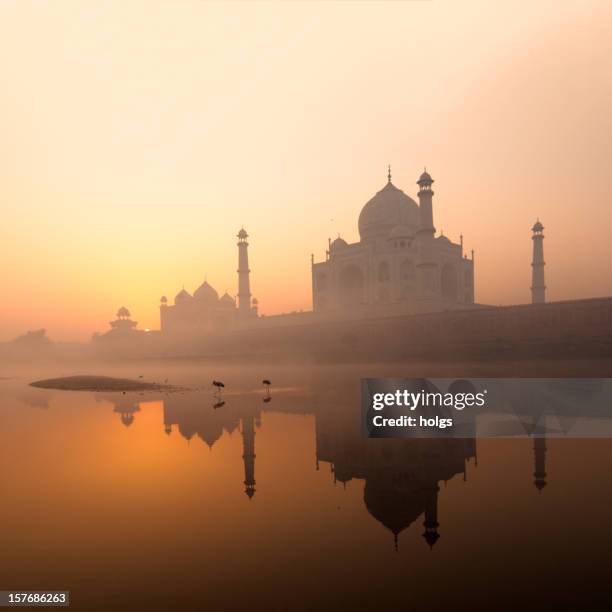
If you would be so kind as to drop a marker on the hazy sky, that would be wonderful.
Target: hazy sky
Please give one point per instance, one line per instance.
(137, 137)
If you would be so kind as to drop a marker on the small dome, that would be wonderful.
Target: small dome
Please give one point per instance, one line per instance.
(242, 234)
(537, 226)
(182, 296)
(254, 301)
(444, 240)
(338, 244)
(206, 293)
(400, 231)
(425, 179)
(387, 209)
(164, 299)
(123, 313)
(227, 300)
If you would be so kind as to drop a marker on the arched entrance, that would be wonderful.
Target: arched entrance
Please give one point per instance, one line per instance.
(449, 282)
(350, 286)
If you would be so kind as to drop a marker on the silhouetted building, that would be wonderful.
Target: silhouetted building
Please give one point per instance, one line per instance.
(122, 328)
(205, 311)
(398, 259)
(123, 324)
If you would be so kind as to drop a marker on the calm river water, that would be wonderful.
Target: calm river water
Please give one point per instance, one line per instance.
(185, 501)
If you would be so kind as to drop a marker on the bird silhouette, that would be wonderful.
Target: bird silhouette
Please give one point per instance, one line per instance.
(219, 404)
(267, 384)
(219, 385)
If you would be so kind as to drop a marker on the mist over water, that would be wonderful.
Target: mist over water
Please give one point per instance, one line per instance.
(191, 499)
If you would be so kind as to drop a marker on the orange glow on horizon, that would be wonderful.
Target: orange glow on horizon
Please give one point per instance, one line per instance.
(139, 137)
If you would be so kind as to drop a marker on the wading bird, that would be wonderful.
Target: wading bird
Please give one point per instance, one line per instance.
(267, 384)
(218, 384)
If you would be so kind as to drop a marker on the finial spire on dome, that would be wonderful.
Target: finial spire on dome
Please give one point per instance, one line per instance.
(389, 172)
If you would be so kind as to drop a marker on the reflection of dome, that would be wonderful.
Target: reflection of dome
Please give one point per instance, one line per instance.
(387, 209)
(400, 231)
(395, 506)
(337, 245)
(182, 296)
(210, 433)
(206, 293)
(227, 300)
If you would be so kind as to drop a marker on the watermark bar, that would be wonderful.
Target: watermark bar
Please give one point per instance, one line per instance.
(486, 407)
(32, 599)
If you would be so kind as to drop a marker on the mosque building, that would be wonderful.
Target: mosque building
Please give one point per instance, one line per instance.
(205, 311)
(398, 259)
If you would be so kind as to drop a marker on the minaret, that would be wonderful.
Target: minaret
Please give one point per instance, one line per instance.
(163, 312)
(248, 454)
(428, 279)
(426, 203)
(244, 285)
(538, 288)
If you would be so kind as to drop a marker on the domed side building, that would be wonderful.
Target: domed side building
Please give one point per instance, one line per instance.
(204, 311)
(399, 263)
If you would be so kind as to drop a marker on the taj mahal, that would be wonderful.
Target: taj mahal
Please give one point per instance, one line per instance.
(398, 259)
(400, 272)
(399, 265)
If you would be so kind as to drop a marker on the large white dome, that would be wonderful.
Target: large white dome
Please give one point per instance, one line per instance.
(389, 208)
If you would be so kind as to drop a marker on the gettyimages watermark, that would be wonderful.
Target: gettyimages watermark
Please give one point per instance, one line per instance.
(486, 407)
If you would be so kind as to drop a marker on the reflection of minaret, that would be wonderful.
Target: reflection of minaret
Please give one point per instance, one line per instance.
(431, 534)
(244, 288)
(539, 461)
(248, 454)
(538, 289)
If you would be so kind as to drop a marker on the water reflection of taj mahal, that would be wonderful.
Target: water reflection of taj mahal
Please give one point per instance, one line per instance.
(401, 478)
